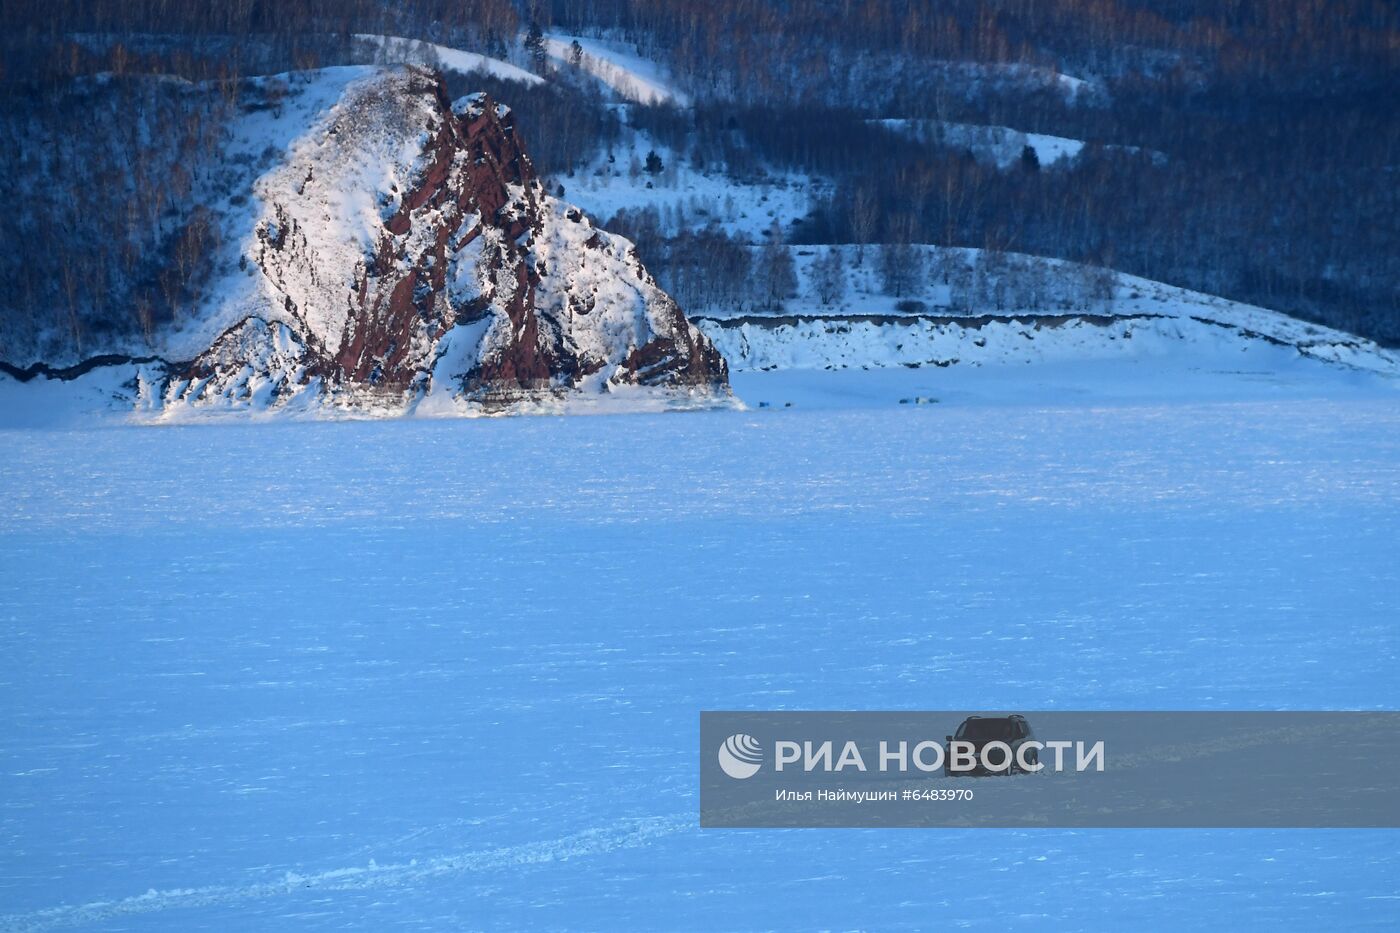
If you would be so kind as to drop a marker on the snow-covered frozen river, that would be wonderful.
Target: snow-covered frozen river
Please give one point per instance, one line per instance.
(447, 675)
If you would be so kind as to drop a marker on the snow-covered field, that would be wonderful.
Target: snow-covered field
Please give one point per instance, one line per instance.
(446, 675)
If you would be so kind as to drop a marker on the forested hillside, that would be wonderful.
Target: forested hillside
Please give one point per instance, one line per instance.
(1246, 150)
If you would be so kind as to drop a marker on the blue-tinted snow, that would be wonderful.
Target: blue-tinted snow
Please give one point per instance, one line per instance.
(444, 675)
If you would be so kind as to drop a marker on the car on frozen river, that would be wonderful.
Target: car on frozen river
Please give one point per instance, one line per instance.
(978, 732)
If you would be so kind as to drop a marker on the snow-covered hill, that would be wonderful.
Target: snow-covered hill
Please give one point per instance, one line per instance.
(1029, 310)
(382, 249)
(400, 254)
(876, 341)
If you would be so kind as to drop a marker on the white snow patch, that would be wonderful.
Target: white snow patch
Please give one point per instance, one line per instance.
(632, 77)
(1000, 144)
(398, 50)
(681, 191)
(1003, 145)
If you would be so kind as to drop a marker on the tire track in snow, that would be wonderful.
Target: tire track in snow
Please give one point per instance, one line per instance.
(629, 834)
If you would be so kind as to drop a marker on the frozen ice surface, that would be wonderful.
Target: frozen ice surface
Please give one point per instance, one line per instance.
(446, 675)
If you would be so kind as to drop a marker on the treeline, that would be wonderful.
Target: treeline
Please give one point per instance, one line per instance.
(710, 271)
(1286, 200)
(109, 236)
(786, 51)
(44, 41)
(703, 267)
(789, 50)
(479, 21)
(1248, 150)
(563, 122)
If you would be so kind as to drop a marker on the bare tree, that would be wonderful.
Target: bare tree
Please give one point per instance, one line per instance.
(829, 276)
(989, 280)
(865, 214)
(1102, 287)
(776, 269)
(902, 268)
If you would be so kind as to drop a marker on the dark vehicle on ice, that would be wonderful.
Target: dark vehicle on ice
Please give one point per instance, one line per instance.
(980, 731)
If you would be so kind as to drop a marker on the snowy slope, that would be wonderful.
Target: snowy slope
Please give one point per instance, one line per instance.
(629, 75)
(745, 209)
(397, 50)
(1003, 145)
(920, 340)
(1000, 144)
(1075, 88)
(340, 180)
(274, 140)
(1006, 144)
(1143, 319)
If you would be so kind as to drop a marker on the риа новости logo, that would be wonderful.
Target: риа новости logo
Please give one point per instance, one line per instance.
(741, 756)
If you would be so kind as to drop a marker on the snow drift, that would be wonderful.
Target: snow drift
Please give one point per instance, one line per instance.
(872, 341)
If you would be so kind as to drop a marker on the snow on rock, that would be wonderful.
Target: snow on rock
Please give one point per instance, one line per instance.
(402, 218)
(632, 77)
(343, 186)
(402, 247)
(253, 364)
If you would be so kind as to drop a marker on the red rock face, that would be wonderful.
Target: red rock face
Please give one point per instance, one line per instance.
(476, 191)
(663, 362)
(473, 157)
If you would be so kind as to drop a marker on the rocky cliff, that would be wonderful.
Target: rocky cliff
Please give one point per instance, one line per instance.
(401, 251)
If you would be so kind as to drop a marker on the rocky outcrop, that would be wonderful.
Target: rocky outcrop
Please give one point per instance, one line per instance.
(406, 247)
